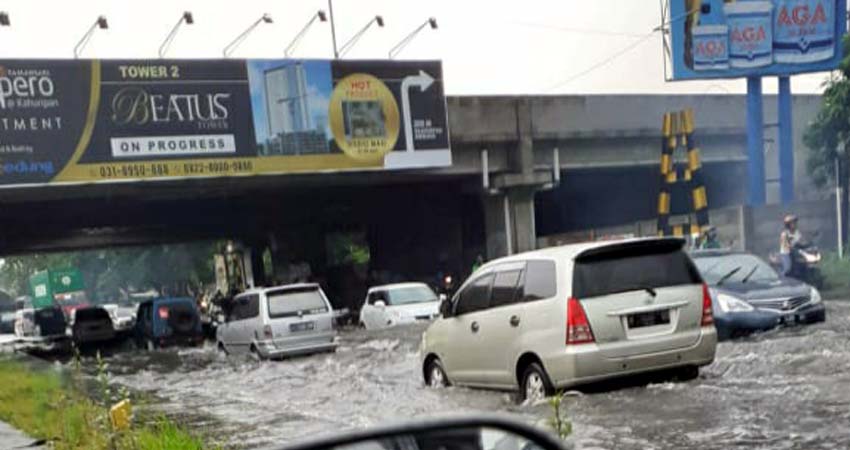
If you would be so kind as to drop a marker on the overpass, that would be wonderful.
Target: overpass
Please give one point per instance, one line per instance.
(418, 220)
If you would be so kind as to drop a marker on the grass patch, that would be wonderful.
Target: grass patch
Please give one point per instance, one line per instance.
(836, 275)
(46, 405)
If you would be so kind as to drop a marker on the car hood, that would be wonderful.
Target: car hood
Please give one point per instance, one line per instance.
(415, 309)
(761, 290)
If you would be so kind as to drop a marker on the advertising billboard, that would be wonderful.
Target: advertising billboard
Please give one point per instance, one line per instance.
(741, 38)
(100, 121)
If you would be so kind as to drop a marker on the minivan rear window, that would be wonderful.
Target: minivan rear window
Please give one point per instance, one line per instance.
(632, 266)
(292, 302)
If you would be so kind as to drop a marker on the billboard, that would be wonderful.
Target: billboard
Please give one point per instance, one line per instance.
(741, 38)
(101, 121)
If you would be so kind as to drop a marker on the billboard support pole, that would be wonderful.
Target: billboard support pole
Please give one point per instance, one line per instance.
(333, 28)
(755, 142)
(786, 142)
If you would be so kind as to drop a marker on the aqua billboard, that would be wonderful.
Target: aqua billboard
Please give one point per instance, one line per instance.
(744, 38)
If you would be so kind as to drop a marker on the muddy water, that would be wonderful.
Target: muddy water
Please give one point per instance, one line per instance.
(787, 389)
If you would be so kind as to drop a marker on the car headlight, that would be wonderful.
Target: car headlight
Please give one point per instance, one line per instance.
(731, 304)
(815, 296)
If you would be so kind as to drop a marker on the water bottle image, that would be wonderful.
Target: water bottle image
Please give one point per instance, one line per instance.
(750, 33)
(803, 31)
(710, 38)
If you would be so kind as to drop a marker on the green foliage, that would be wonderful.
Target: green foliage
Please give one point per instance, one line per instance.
(831, 126)
(109, 272)
(348, 248)
(836, 274)
(42, 405)
(558, 421)
(166, 434)
(16, 270)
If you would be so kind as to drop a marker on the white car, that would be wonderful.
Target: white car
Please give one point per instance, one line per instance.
(396, 304)
(123, 316)
(565, 316)
(278, 322)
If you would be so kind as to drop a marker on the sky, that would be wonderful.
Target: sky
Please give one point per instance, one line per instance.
(487, 47)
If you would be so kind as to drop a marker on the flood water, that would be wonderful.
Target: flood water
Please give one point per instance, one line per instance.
(787, 389)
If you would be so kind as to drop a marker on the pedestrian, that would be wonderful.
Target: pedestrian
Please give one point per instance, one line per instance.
(479, 261)
(788, 238)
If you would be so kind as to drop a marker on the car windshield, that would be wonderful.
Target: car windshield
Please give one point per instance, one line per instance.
(750, 268)
(296, 302)
(412, 294)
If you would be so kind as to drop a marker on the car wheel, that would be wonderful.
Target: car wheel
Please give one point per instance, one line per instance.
(535, 384)
(687, 373)
(436, 375)
(255, 354)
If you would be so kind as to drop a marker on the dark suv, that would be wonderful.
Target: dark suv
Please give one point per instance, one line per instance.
(168, 321)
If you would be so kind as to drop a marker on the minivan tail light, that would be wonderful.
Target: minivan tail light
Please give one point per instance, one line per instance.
(578, 327)
(707, 314)
(267, 332)
(163, 313)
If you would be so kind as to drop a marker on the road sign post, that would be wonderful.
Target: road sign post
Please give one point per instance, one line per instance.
(755, 142)
(786, 142)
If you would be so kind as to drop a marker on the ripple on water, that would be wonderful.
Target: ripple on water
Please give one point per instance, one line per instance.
(786, 389)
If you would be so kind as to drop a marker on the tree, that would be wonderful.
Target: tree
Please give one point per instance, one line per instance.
(16, 270)
(178, 269)
(828, 136)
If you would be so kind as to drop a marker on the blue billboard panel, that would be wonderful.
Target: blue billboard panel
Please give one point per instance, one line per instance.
(741, 38)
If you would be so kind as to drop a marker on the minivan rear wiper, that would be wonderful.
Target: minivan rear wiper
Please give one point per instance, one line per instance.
(648, 289)
(728, 275)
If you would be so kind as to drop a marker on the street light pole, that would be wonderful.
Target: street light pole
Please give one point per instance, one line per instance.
(99, 23)
(266, 18)
(350, 43)
(185, 18)
(403, 43)
(291, 47)
(333, 27)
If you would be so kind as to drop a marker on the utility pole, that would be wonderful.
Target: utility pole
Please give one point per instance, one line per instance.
(333, 27)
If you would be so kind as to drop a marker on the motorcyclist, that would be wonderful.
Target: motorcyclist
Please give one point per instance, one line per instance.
(788, 239)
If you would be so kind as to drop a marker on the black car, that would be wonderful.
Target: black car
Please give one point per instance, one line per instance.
(749, 295)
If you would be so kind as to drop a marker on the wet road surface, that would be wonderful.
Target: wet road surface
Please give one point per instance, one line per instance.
(787, 389)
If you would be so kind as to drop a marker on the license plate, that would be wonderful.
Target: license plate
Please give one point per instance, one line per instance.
(302, 326)
(649, 319)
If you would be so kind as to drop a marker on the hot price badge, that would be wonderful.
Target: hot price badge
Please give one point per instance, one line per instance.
(364, 117)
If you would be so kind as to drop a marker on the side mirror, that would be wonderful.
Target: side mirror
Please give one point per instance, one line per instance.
(479, 433)
(380, 304)
(446, 307)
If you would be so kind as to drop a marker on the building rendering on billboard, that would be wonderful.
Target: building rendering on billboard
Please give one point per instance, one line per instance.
(99, 121)
(743, 38)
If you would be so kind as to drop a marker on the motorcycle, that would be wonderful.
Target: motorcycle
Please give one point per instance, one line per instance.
(446, 287)
(805, 264)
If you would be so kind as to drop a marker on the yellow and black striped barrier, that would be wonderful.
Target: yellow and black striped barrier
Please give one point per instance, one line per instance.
(677, 129)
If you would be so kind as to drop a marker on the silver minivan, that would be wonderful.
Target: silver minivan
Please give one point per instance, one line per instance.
(560, 317)
(278, 322)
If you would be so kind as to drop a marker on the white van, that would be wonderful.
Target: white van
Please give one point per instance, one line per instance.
(571, 315)
(278, 322)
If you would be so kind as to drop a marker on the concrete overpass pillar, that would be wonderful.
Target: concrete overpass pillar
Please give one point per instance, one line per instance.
(509, 204)
(522, 208)
(497, 225)
(509, 222)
